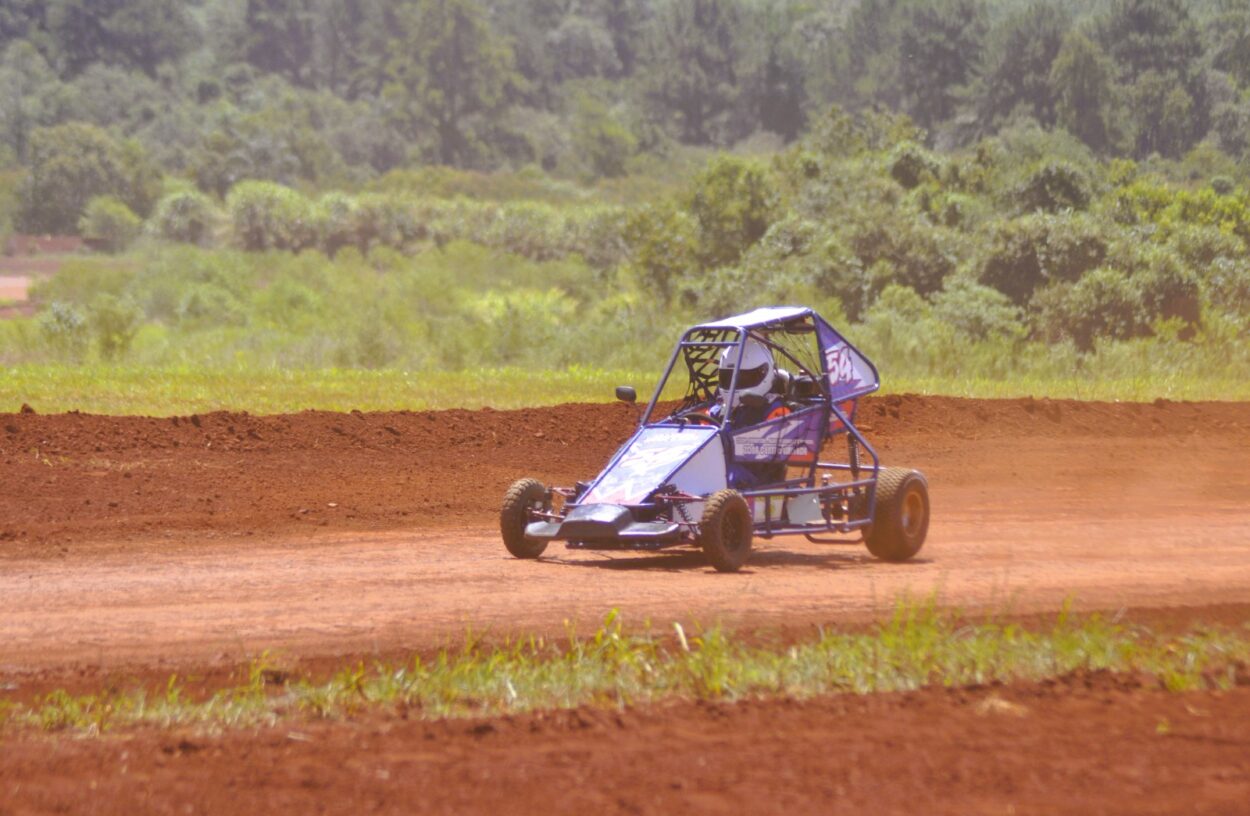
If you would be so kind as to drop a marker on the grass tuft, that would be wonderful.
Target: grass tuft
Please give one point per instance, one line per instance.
(917, 647)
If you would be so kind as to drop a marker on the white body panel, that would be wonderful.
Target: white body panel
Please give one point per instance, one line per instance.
(659, 455)
(703, 475)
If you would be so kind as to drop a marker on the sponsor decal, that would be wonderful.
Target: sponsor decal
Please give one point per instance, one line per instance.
(791, 436)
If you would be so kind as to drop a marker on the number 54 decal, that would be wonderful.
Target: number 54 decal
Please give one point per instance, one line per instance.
(839, 364)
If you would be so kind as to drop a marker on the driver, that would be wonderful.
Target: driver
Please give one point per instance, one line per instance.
(758, 376)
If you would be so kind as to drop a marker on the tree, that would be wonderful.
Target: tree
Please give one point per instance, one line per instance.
(31, 96)
(22, 19)
(875, 56)
(1163, 115)
(1151, 35)
(1157, 47)
(450, 68)
(142, 34)
(692, 68)
(71, 164)
(334, 44)
(1229, 33)
(581, 47)
(1015, 65)
(1027, 253)
(1083, 81)
(939, 44)
(626, 22)
(279, 38)
(603, 142)
(774, 87)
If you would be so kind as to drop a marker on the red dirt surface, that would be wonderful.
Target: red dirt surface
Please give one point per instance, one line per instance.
(131, 548)
(136, 544)
(1083, 744)
(76, 479)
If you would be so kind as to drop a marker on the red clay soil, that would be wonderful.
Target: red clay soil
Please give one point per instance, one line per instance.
(131, 548)
(134, 546)
(1084, 744)
(74, 479)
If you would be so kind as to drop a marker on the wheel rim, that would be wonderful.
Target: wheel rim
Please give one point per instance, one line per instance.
(912, 513)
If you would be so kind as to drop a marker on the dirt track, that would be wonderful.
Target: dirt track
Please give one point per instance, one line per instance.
(131, 548)
(206, 539)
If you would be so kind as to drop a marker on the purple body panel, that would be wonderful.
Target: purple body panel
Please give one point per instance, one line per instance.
(794, 436)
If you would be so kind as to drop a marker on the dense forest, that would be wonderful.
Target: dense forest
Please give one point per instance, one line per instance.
(331, 93)
(980, 186)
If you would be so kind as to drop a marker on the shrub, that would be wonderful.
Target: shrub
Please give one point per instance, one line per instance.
(387, 219)
(1140, 202)
(64, 330)
(524, 326)
(906, 250)
(114, 322)
(1227, 285)
(1104, 303)
(663, 247)
(336, 222)
(732, 205)
(1029, 252)
(910, 164)
(264, 215)
(977, 312)
(1053, 186)
(209, 305)
(1169, 291)
(109, 224)
(903, 334)
(599, 236)
(186, 217)
(1199, 246)
(528, 229)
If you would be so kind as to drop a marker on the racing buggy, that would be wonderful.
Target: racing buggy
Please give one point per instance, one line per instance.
(732, 446)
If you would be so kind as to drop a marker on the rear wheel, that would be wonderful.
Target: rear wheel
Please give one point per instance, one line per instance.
(901, 521)
(725, 531)
(524, 495)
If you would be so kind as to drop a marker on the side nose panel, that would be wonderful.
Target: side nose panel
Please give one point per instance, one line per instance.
(650, 460)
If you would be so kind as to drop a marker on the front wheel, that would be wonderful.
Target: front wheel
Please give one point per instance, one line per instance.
(524, 495)
(901, 521)
(725, 531)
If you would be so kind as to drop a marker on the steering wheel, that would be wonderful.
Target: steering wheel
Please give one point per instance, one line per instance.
(699, 419)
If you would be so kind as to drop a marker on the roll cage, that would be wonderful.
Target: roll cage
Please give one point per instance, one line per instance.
(827, 376)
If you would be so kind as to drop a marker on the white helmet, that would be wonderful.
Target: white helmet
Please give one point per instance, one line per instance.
(757, 372)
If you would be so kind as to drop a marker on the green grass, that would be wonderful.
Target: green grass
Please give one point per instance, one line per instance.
(167, 391)
(918, 647)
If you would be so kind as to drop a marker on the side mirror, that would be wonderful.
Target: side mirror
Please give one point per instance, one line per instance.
(626, 393)
(754, 401)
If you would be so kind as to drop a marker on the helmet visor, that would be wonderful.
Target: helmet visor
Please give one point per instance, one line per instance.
(749, 378)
